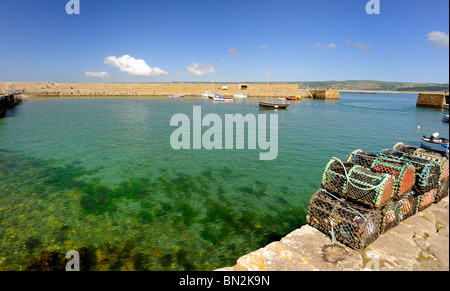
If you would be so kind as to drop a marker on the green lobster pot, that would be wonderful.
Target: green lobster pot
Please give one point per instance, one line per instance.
(427, 172)
(438, 158)
(357, 184)
(344, 221)
(334, 176)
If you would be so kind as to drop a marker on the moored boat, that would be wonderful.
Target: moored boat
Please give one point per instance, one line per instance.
(240, 95)
(445, 119)
(296, 98)
(273, 105)
(279, 104)
(219, 98)
(434, 143)
(207, 95)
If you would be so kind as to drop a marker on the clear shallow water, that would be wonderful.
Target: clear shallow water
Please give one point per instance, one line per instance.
(100, 173)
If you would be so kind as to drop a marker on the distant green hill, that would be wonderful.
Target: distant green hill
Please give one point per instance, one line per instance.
(366, 85)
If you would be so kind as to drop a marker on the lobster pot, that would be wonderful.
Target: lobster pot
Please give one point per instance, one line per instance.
(362, 158)
(425, 200)
(408, 205)
(403, 173)
(427, 172)
(369, 188)
(362, 186)
(437, 158)
(390, 216)
(333, 177)
(442, 193)
(347, 222)
(410, 150)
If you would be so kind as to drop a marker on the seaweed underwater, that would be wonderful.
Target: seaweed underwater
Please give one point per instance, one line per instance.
(172, 221)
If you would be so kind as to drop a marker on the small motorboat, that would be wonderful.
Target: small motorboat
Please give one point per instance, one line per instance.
(445, 119)
(434, 143)
(273, 105)
(222, 99)
(446, 106)
(240, 95)
(296, 98)
(176, 96)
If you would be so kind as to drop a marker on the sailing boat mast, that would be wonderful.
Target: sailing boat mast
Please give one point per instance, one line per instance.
(267, 94)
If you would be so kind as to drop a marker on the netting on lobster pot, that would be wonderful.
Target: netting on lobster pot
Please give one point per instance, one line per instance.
(334, 176)
(405, 148)
(438, 158)
(427, 172)
(426, 199)
(344, 221)
(408, 205)
(442, 192)
(390, 216)
(357, 183)
(402, 171)
(361, 158)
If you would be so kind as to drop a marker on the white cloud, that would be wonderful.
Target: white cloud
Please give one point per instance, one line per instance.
(263, 47)
(101, 75)
(330, 46)
(200, 69)
(440, 38)
(364, 47)
(133, 67)
(234, 52)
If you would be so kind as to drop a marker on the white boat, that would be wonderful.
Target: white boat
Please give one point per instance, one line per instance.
(219, 98)
(435, 144)
(446, 106)
(445, 119)
(240, 95)
(207, 95)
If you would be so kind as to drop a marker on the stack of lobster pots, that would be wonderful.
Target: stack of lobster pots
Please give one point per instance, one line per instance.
(368, 194)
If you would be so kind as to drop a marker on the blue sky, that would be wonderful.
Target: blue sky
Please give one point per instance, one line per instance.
(229, 41)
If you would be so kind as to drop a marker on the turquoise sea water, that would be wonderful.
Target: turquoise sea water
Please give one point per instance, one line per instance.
(101, 174)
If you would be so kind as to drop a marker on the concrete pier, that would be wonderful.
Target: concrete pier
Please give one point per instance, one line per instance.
(326, 94)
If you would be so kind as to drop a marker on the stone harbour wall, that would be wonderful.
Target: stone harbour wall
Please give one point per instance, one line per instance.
(147, 89)
(419, 243)
(161, 89)
(432, 99)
